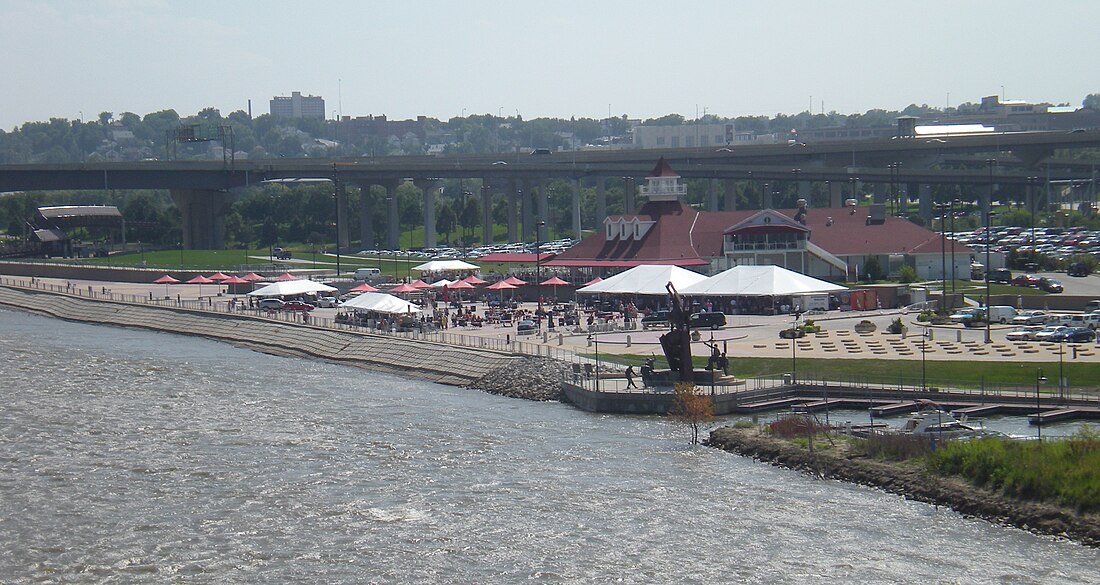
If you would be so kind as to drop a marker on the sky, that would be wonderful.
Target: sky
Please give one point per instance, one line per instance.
(550, 58)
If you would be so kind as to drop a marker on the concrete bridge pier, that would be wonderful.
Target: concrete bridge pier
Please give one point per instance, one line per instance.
(805, 190)
(203, 216)
(601, 199)
(511, 200)
(486, 211)
(393, 226)
(730, 193)
(630, 190)
(343, 240)
(712, 195)
(576, 183)
(366, 224)
(526, 210)
(924, 203)
(836, 194)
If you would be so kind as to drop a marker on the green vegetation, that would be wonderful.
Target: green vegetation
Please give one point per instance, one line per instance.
(1064, 471)
(963, 374)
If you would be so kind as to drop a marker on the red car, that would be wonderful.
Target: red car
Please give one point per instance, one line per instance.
(297, 306)
(1026, 280)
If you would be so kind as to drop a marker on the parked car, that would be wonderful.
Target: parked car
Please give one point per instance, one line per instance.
(1049, 331)
(655, 319)
(281, 254)
(270, 304)
(1077, 269)
(1002, 275)
(327, 302)
(297, 306)
(1050, 285)
(1073, 335)
(1025, 333)
(526, 327)
(966, 315)
(1025, 280)
(709, 319)
(1030, 318)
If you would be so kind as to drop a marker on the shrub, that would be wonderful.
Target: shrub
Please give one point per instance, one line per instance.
(907, 274)
(896, 326)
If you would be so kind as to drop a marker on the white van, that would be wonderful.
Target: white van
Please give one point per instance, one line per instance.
(367, 273)
(1001, 313)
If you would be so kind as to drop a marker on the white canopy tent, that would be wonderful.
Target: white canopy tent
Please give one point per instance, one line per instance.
(443, 265)
(757, 281)
(381, 303)
(291, 287)
(646, 279)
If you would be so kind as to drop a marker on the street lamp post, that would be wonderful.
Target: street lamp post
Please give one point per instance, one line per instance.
(336, 197)
(988, 212)
(538, 269)
(943, 251)
(1039, 379)
(923, 360)
(953, 278)
(794, 348)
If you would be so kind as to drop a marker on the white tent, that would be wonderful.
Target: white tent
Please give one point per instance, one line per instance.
(291, 287)
(441, 265)
(646, 279)
(442, 283)
(381, 303)
(759, 281)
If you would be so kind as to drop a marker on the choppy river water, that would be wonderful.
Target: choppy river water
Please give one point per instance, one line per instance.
(131, 456)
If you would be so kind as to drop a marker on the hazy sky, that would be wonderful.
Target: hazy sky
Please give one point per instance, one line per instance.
(555, 58)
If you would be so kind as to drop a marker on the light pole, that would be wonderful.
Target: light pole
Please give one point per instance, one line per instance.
(794, 348)
(943, 250)
(336, 197)
(988, 212)
(953, 278)
(923, 361)
(1039, 379)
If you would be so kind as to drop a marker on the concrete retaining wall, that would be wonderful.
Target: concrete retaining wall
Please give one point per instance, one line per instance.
(437, 362)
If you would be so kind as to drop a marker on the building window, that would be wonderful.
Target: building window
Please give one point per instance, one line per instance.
(675, 142)
(660, 140)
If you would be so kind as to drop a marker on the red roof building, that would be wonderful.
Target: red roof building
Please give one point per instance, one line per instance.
(828, 243)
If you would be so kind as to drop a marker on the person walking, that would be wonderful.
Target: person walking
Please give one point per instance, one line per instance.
(630, 377)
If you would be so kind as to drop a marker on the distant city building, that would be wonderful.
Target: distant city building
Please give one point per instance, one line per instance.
(298, 106)
(684, 135)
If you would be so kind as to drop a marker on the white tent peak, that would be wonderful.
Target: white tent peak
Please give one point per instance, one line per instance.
(381, 303)
(645, 279)
(768, 280)
(291, 287)
(443, 265)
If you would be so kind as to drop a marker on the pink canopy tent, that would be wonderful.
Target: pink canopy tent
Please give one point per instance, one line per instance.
(473, 279)
(166, 280)
(593, 281)
(364, 288)
(403, 288)
(253, 277)
(200, 280)
(458, 285)
(501, 286)
(419, 284)
(219, 276)
(286, 276)
(514, 281)
(554, 282)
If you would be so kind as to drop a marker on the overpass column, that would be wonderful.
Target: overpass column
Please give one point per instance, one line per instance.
(766, 196)
(985, 201)
(805, 189)
(342, 236)
(486, 211)
(836, 194)
(511, 199)
(542, 233)
(630, 189)
(712, 195)
(393, 219)
(924, 203)
(601, 199)
(729, 188)
(428, 187)
(576, 208)
(202, 213)
(526, 213)
(366, 224)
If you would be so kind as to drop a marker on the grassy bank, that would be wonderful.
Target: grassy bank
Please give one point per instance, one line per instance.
(963, 374)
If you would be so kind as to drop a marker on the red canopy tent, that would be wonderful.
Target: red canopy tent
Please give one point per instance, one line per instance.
(200, 280)
(166, 280)
(419, 284)
(253, 277)
(219, 276)
(554, 282)
(473, 279)
(593, 281)
(286, 276)
(501, 286)
(514, 281)
(403, 288)
(457, 285)
(365, 287)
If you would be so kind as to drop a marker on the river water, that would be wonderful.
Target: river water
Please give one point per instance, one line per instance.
(131, 456)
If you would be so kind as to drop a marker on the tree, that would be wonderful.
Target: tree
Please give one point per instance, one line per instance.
(872, 268)
(1092, 101)
(445, 220)
(691, 407)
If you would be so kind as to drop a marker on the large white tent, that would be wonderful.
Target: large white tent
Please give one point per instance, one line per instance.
(443, 265)
(381, 303)
(759, 281)
(646, 279)
(291, 287)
